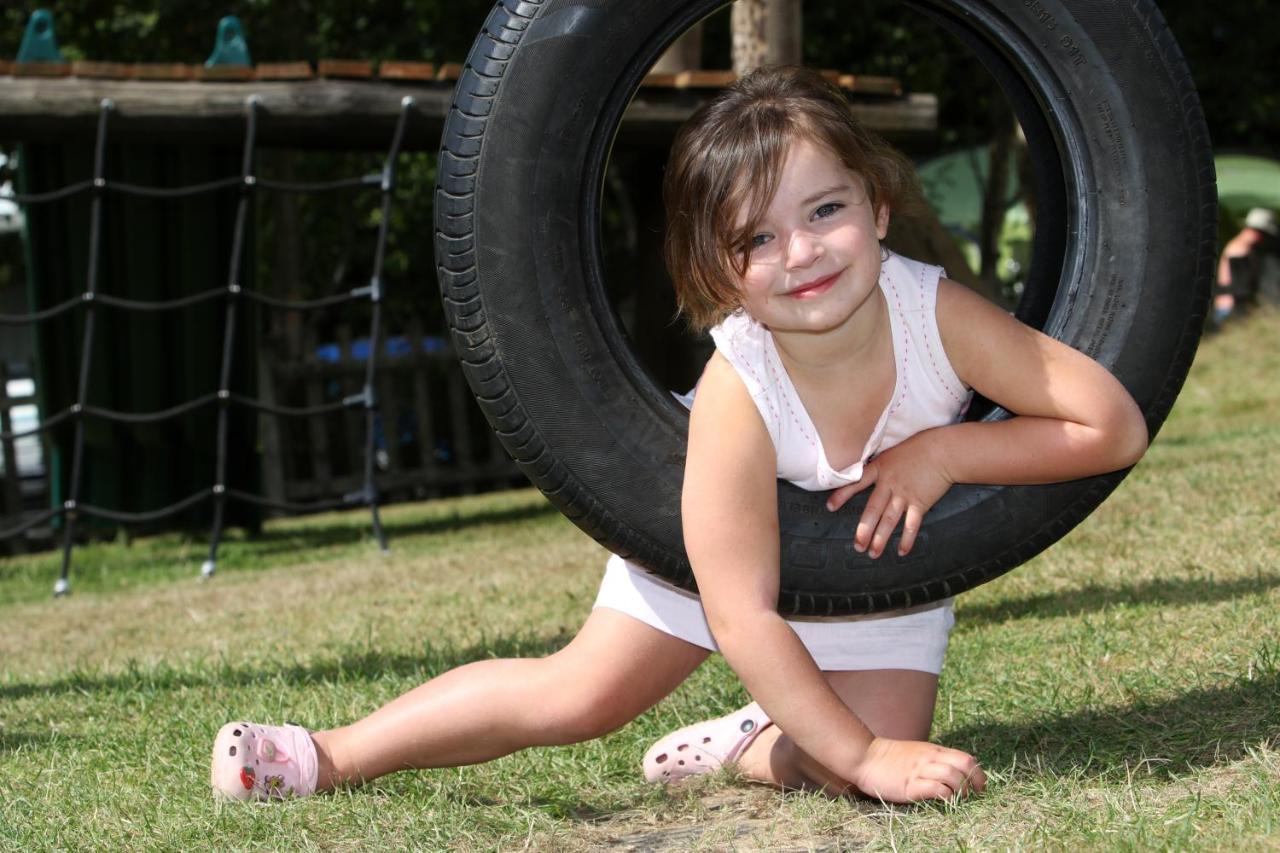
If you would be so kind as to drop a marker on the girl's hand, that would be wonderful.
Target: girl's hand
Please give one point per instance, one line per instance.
(907, 771)
(908, 481)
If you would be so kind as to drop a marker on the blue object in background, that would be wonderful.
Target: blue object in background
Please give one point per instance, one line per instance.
(397, 346)
(229, 48)
(39, 44)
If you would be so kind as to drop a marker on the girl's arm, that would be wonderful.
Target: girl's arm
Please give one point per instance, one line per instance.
(730, 514)
(1074, 419)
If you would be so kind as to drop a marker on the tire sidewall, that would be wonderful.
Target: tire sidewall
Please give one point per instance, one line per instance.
(1133, 292)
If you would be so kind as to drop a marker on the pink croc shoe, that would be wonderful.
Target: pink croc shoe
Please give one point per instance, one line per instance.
(253, 762)
(705, 747)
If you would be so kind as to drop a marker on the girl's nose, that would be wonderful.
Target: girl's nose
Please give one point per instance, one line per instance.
(802, 249)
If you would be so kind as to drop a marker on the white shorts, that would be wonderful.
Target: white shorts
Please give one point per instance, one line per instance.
(902, 639)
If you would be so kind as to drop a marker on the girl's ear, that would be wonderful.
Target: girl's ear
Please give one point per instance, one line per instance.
(882, 221)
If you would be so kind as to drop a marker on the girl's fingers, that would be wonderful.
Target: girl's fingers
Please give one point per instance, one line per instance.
(910, 527)
(867, 524)
(967, 769)
(976, 776)
(888, 523)
(951, 777)
(927, 789)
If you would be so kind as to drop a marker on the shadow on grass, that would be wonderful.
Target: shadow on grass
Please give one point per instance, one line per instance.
(350, 667)
(273, 540)
(1200, 728)
(1095, 597)
(13, 741)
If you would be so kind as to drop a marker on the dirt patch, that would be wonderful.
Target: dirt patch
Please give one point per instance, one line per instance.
(738, 819)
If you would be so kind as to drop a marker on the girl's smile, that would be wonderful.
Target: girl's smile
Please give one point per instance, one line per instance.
(814, 288)
(815, 255)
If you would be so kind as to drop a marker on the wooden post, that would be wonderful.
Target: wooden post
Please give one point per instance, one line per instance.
(784, 33)
(765, 32)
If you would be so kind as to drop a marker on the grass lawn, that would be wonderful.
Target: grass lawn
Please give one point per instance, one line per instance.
(1122, 690)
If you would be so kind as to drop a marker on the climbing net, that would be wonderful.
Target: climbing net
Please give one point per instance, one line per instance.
(90, 301)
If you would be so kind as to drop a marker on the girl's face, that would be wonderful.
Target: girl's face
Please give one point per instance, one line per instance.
(815, 257)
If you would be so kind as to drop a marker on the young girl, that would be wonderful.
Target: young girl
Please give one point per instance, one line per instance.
(838, 365)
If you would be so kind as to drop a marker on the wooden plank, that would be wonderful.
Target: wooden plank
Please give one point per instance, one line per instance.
(224, 73)
(449, 71)
(704, 79)
(101, 70)
(6, 68)
(659, 79)
(162, 71)
(340, 113)
(284, 71)
(41, 69)
(866, 84)
(356, 69)
(397, 70)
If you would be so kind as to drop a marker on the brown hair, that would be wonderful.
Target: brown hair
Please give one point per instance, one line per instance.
(729, 156)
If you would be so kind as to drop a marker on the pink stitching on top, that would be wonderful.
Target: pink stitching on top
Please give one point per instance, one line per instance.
(745, 364)
(929, 336)
(786, 398)
(902, 377)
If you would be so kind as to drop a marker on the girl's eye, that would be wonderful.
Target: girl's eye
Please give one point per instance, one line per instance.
(827, 209)
(759, 240)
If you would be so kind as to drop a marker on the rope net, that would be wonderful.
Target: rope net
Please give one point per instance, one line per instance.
(90, 301)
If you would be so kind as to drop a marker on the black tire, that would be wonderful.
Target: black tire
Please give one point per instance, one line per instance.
(1122, 260)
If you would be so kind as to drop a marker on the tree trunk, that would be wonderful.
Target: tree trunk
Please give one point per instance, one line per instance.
(765, 32)
(750, 35)
(784, 33)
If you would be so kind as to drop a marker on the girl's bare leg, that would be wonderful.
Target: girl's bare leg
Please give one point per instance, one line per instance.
(610, 673)
(893, 703)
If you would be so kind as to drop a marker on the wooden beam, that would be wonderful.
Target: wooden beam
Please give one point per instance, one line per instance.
(307, 113)
(330, 113)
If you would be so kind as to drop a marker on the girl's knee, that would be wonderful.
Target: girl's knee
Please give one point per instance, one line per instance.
(578, 715)
(575, 707)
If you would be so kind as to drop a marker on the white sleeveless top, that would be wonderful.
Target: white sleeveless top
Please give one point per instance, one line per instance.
(927, 392)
